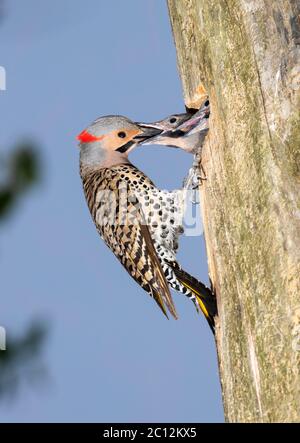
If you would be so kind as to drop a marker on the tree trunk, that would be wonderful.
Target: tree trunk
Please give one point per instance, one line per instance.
(246, 55)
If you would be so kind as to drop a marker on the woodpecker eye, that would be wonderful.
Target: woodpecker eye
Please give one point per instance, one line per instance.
(173, 120)
(122, 134)
(206, 103)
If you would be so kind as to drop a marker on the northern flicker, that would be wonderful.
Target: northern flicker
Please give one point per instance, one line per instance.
(186, 131)
(138, 222)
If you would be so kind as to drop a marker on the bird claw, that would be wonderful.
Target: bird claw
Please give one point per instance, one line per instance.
(193, 180)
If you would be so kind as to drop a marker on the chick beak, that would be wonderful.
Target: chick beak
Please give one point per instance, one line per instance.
(149, 131)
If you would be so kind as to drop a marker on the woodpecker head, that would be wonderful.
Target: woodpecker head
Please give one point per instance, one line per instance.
(186, 131)
(169, 123)
(108, 140)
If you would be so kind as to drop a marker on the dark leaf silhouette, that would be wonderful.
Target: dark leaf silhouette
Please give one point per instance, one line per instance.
(6, 201)
(21, 171)
(24, 167)
(20, 361)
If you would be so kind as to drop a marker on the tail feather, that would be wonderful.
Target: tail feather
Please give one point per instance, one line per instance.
(206, 299)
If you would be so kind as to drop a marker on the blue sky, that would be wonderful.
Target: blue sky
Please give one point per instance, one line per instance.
(111, 355)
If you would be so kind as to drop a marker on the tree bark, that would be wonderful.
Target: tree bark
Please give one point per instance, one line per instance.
(246, 55)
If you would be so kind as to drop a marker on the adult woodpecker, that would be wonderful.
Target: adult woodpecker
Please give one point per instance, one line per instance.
(139, 223)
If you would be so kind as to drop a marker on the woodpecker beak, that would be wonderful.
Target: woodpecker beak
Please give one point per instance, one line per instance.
(154, 125)
(157, 136)
(149, 131)
(161, 126)
(197, 123)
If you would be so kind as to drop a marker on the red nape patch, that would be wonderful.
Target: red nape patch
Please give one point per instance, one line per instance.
(86, 137)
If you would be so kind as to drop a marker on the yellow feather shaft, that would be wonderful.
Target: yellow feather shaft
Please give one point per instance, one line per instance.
(201, 304)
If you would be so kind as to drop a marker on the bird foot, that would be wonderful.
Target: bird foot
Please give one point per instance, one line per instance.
(194, 179)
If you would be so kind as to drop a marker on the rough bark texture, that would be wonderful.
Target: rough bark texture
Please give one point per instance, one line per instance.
(246, 55)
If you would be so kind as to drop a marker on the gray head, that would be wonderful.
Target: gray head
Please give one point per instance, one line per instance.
(187, 132)
(108, 140)
(169, 123)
